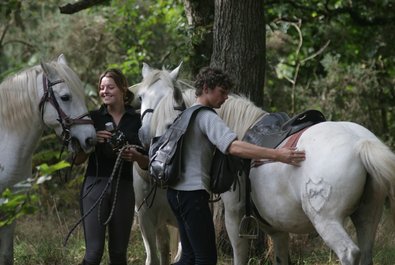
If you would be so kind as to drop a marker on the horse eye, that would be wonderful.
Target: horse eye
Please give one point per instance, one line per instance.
(65, 97)
(140, 98)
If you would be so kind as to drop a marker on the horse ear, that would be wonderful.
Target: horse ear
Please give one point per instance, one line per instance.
(146, 70)
(49, 71)
(62, 59)
(174, 73)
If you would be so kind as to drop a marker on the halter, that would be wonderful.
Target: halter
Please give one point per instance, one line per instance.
(179, 108)
(65, 121)
(145, 112)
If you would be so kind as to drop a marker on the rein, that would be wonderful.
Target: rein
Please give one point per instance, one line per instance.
(65, 121)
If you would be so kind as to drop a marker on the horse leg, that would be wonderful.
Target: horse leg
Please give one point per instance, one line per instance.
(148, 232)
(234, 211)
(175, 244)
(281, 247)
(7, 244)
(163, 244)
(336, 237)
(366, 220)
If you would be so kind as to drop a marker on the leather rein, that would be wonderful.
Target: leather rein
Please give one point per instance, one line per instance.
(65, 121)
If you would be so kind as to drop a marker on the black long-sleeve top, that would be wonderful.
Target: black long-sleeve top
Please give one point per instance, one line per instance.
(102, 160)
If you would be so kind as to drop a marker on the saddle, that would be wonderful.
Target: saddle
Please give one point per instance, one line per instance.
(275, 127)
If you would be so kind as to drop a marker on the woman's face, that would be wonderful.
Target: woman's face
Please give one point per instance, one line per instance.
(110, 93)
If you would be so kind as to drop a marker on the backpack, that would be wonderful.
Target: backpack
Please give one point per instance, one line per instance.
(224, 173)
(165, 156)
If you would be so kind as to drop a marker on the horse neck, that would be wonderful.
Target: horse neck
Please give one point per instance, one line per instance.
(165, 113)
(16, 156)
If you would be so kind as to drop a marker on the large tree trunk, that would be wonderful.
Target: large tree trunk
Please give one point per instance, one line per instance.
(239, 44)
(239, 49)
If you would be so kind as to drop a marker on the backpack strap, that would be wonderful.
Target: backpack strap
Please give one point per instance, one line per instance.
(181, 123)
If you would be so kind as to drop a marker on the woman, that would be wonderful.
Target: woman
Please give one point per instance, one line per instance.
(117, 126)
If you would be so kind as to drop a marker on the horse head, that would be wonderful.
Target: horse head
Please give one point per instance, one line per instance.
(156, 86)
(62, 105)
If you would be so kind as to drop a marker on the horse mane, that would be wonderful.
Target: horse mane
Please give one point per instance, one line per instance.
(19, 97)
(238, 112)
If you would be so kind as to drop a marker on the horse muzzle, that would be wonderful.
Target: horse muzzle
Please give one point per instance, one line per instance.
(87, 146)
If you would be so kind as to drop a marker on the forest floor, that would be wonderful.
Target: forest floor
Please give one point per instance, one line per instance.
(39, 241)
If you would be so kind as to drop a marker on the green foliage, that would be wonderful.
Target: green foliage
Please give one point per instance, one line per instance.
(121, 34)
(15, 205)
(350, 79)
(143, 27)
(24, 197)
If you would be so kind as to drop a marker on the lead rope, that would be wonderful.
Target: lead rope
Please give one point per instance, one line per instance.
(118, 162)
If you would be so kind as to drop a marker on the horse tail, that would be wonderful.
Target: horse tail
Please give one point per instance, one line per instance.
(379, 162)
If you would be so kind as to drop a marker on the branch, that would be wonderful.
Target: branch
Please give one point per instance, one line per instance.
(19, 41)
(316, 53)
(80, 5)
(4, 33)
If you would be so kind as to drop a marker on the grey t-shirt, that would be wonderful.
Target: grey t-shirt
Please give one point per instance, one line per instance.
(204, 133)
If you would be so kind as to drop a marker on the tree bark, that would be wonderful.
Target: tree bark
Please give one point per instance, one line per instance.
(239, 48)
(239, 44)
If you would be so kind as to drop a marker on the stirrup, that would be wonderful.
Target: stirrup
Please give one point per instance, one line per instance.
(249, 227)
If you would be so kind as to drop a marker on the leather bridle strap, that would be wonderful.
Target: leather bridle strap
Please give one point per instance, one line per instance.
(145, 112)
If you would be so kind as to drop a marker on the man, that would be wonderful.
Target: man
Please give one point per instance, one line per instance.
(189, 198)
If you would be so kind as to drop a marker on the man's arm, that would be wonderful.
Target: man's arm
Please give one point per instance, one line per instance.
(251, 151)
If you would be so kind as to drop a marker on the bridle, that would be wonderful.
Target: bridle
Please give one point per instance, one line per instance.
(179, 108)
(65, 121)
(146, 112)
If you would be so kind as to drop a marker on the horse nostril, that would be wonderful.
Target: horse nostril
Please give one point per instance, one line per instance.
(90, 141)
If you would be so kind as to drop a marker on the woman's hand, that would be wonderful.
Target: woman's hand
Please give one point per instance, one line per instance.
(131, 154)
(103, 136)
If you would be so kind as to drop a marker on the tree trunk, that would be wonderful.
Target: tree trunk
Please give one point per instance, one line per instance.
(239, 44)
(239, 49)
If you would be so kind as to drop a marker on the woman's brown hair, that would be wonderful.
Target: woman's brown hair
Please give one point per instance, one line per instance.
(121, 81)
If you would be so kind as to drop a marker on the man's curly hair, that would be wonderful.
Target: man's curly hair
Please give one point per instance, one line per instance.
(212, 77)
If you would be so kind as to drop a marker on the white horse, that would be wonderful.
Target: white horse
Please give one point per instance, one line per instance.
(348, 172)
(154, 221)
(155, 216)
(48, 95)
